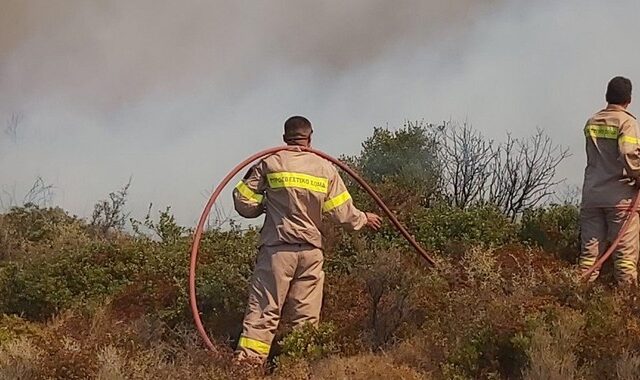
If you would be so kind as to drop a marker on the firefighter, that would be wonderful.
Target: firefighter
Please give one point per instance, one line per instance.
(294, 189)
(610, 183)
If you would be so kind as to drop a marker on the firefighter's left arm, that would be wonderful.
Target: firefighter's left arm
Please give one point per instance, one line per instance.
(248, 196)
(629, 146)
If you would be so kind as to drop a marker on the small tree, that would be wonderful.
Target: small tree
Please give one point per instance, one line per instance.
(402, 164)
(166, 228)
(515, 175)
(466, 158)
(524, 173)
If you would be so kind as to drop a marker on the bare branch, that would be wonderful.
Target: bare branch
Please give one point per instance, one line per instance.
(109, 214)
(515, 175)
(40, 193)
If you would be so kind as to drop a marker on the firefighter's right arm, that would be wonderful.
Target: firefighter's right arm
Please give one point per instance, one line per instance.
(248, 196)
(339, 206)
(629, 146)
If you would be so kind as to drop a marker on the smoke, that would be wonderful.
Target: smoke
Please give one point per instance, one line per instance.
(174, 93)
(111, 54)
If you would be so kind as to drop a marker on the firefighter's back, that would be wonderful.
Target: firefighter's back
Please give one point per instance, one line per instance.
(297, 186)
(606, 182)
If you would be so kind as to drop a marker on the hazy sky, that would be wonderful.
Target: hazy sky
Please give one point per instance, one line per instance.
(175, 93)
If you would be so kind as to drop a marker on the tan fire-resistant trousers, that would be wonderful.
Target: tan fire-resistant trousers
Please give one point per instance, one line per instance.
(290, 274)
(599, 227)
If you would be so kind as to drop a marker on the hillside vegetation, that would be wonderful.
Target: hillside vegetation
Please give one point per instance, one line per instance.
(84, 299)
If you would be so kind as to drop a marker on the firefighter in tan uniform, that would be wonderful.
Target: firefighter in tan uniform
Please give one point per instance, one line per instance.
(294, 189)
(610, 183)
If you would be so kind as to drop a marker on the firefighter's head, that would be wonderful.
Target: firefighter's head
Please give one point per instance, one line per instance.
(619, 91)
(297, 131)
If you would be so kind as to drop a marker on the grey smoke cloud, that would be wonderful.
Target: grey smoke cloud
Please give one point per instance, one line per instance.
(118, 52)
(175, 93)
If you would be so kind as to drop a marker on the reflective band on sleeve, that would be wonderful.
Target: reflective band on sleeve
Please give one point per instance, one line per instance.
(336, 202)
(254, 345)
(630, 140)
(622, 263)
(601, 131)
(298, 180)
(248, 193)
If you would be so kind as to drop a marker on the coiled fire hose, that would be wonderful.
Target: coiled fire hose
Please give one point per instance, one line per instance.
(614, 244)
(216, 193)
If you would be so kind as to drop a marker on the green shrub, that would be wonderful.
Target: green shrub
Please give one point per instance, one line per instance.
(142, 275)
(555, 228)
(310, 342)
(442, 227)
(226, 263)
(41, 286)
(33, 229)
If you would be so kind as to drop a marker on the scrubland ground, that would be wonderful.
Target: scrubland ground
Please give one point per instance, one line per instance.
(76, 305)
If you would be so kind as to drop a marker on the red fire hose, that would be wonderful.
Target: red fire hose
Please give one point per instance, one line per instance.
(207, 209)
(616, 241)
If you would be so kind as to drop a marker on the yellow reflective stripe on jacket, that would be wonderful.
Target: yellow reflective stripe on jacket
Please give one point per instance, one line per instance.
(630, 140)
(601, 131)
(298, 180)
(254, 345)
(248, 193)
(336, 201)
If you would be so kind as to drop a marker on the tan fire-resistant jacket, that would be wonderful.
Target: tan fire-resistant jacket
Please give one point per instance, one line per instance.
(295, 189)
(613, 158)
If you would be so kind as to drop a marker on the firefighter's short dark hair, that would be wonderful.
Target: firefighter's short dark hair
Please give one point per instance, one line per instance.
(619, 91)
(297, 128)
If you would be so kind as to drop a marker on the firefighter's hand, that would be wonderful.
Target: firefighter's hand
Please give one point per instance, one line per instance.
(374, 221)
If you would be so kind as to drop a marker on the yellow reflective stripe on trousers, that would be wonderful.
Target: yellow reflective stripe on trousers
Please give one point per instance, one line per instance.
(336, 201)
(298, 180)
(254, 345)
(601, 131)
(248, 193)
(586, 261)
(622, 263)
(630, 140)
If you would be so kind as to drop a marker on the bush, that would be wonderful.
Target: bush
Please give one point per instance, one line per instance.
(364, 367)
(31, 229)
(19, 360)
(444, 227)
(41, 286)
(13, 327)
(555, 228)
(142, 275)
(551, 349)
(310, 342)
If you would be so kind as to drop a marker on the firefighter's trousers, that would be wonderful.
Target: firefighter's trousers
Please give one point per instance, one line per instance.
(599, 227)
(290, 274)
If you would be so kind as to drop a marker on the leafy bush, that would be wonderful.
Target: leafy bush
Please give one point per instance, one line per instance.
(31, 229)
(41, 286)
(310, 342)
(555, 228)
(444, 227)
(142, 275)
(401, 164)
